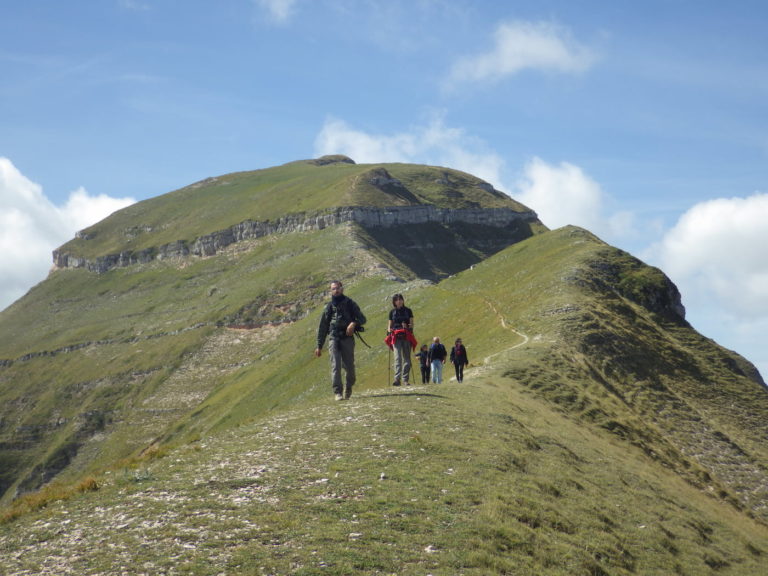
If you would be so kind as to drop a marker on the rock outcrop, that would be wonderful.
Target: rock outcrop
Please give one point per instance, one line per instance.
(210, 244)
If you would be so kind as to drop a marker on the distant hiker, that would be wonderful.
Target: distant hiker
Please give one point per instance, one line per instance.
(400, 338)
(437, 355)
(341, 319)
(423, 356)
(459, 359)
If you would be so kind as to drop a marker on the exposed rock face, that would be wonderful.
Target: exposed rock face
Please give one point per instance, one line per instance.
(332, 159)
(210, 244)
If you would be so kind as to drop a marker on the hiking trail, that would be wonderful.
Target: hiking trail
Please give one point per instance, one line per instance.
(487, 360)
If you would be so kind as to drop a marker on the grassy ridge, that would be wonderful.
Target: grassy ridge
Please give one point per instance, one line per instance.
(479, 478)
(597, 432)
(104, 346)
(299, 187)
(148, 329)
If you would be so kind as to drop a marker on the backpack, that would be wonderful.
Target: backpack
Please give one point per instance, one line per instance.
(341, 317)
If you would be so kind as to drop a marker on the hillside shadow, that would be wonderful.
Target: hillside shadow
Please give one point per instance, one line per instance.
(400, 394)
(434, 251)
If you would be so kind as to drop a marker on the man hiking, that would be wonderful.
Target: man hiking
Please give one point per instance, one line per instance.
(340, 320)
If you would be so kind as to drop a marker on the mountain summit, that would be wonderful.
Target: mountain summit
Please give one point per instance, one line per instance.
(167, 358)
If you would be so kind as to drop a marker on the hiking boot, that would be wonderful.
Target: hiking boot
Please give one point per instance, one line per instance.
(396, 383)
(339, 397)
(347, 394)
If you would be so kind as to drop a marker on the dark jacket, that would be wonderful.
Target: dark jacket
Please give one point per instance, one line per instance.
(459, 355)
(337, 315)
(399, 316)
(437, 352)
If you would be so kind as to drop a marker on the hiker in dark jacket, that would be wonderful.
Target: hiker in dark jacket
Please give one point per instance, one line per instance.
(459, 359)
(423, 356)
(437, 355)
(400, 335)
(341, 318)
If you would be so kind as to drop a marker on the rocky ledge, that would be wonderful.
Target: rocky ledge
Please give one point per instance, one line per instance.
(210, 244)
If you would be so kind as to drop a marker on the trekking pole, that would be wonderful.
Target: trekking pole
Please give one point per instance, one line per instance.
(389, 366)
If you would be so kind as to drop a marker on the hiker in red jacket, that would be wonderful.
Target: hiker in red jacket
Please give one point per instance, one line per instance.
(400, 338)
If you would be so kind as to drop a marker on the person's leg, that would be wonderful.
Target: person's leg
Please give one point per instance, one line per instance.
(334, 352)
(398, 362)
(434, 371)
(348, 360)
(406, 352)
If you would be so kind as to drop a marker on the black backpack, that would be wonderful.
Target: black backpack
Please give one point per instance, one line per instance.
(341, 317)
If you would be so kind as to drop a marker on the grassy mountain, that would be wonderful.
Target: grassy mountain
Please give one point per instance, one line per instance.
(596, 431)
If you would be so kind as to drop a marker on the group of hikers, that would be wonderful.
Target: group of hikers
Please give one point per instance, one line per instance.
(342, 319)
(432, 357)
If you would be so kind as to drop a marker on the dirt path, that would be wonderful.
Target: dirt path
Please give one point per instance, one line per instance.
(488, 361)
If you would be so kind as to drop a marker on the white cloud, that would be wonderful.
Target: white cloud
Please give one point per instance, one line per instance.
(434, 144)
(716, 251)
(716, 255)
(31, 227)
(524, 45)
(279, 11)
(561, 194)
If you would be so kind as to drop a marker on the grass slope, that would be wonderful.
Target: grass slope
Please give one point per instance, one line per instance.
(478, 478)
(597, 432)
(95, 367)
(93, 354)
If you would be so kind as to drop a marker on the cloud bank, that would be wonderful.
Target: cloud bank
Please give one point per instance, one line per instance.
(718, 249)
(715, 253)
(31, 227)
(561, 194)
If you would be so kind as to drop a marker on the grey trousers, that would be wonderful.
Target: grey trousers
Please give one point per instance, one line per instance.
(402, 350)
(342, 354)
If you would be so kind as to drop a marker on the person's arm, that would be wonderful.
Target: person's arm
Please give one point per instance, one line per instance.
(358, 319)
(322, 331)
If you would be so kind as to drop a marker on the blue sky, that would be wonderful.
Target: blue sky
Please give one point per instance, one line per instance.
(644, 122)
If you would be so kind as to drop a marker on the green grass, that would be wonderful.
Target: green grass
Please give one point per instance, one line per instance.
(479, 478)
